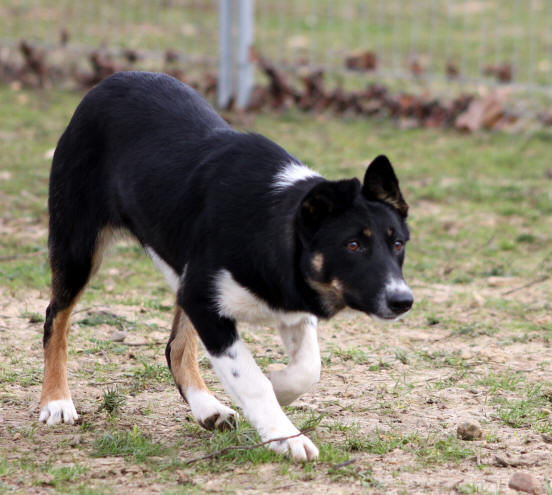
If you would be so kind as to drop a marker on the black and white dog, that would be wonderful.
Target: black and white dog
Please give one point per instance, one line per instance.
(241, 229)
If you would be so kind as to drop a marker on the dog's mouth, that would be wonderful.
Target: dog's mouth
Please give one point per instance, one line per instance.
(388, 317)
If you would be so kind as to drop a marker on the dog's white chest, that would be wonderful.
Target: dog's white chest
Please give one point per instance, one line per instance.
(237, 302)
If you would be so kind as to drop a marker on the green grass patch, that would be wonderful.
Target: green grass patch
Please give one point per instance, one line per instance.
(532, 411)
(148, 375)
(112, 401)
(135, 445)
(429, 450)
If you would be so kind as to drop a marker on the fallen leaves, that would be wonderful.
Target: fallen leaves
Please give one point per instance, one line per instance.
(483, 112)
(303, 86)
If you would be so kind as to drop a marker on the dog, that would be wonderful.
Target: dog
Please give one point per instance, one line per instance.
(241, 230)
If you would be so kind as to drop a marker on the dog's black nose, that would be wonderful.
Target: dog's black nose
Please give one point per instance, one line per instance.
(400, 302)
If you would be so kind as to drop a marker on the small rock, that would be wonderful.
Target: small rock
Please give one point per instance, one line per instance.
(547, 438)
(524, 482)
(118, 336)
(469, 430)
(75, 441)
(546, 411)
(133, 339)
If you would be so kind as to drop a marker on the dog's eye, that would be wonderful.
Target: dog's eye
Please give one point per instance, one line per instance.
(353, 246)
(398, 245)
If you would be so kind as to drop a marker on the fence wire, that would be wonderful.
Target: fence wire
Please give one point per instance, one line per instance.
(476, 41)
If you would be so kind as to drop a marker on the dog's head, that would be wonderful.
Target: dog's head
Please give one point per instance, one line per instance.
(353, 241)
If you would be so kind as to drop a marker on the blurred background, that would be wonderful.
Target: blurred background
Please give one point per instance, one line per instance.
(437, 49)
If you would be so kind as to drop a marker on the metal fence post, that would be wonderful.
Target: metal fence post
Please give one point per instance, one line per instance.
(224, 89)
(245, 68)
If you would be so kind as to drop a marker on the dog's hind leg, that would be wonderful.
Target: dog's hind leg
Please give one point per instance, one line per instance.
(181, 353)
(303, 370)
(72, 264)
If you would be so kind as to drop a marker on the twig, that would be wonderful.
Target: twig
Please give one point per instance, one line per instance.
(12, 257)
(138, 344)
(528, 284)
(111, 382)
(85, 309)
(244, 447)
(342, 464)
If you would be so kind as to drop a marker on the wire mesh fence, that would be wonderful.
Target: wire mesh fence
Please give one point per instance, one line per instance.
(475, 41)
(152, 26)
(506, 41)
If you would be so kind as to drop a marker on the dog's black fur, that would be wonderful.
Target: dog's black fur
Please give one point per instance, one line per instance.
(146, 154)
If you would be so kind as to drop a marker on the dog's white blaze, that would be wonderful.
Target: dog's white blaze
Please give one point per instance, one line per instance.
(292, 173)
(303, 370)
(170, 275)
(396, 286)
(239, 303)
(253, 392)
(393, 286)
(59, 411)
(204, 406)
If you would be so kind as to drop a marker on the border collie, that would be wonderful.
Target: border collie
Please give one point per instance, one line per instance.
(241, 230)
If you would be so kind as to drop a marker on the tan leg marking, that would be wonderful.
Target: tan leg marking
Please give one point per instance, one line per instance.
(55, 386)
(184, 367)
(206, 409)
(55, 400)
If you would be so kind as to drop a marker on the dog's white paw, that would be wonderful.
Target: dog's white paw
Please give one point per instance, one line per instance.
(298, 448)
(58, 411)
(209, 412)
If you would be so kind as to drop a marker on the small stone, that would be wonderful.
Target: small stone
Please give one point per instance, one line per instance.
(546, 411)
(118, 336)
(75, 441)
(469, 430)
(524, 482)
(134, 339)
(547, 438)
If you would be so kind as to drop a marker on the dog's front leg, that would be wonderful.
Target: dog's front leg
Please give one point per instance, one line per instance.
(181, 353)
(303, 370)
(253, 392)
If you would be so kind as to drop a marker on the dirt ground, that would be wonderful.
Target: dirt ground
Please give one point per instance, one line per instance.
(386, 388)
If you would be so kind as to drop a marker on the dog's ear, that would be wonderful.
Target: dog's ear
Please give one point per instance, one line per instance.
(381, 184)
(324, 199)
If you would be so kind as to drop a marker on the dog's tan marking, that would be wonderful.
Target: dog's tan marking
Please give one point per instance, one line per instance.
(317, 262)
(367, 232)
(331, 294)
(54, 385)
(183, 353)
(103, 241)
(206, 409)
(390, 231)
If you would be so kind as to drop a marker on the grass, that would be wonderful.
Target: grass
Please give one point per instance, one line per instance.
(429, 450)
(134, 444)
(113, 401)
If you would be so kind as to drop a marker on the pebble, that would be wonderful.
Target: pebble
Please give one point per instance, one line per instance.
(524, 482)
(118, 336)
(547, 438)
(76, 440)
(469, 430)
